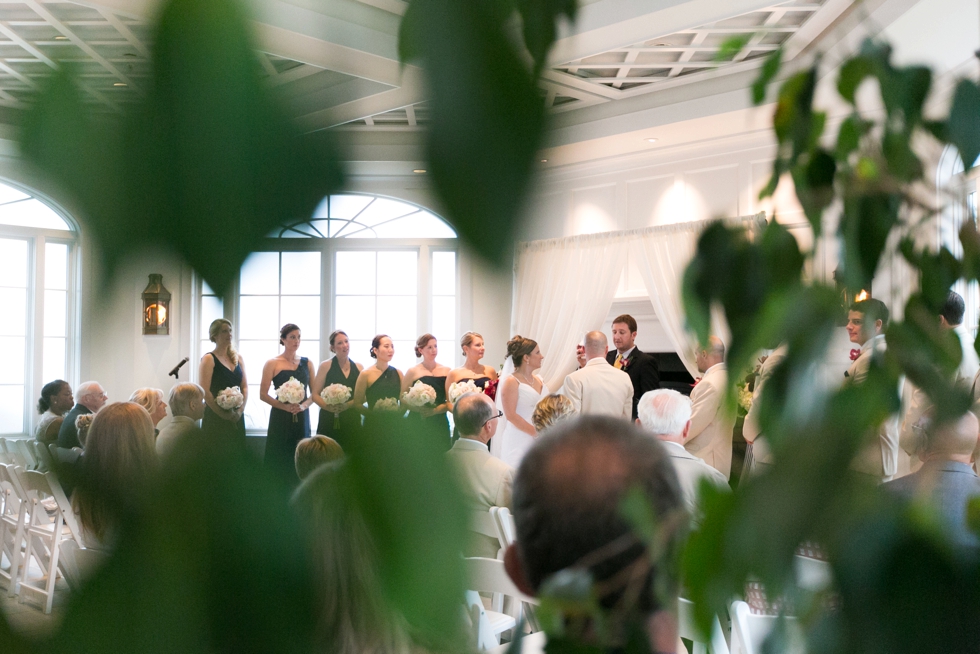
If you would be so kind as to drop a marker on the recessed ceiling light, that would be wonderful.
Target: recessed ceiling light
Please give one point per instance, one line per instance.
(419, 171)
(119, 84)
(61, 38)
(544, 161)
(651, 140)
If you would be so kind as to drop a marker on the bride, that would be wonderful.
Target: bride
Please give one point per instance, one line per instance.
(519, 393)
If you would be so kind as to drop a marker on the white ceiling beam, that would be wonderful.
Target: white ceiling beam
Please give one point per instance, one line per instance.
(293, 74)
(398, 7)
(125, 31)
(410, 114)
(398, 98)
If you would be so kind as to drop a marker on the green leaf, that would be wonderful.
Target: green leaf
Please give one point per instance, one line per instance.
(973, 515)
(902, 161)
(732, 46)
(864, 226)
(854, 71)
(770, 68)
(539, 25)
(852, 130)
(814, 184)
(482, 175)
(963, 124)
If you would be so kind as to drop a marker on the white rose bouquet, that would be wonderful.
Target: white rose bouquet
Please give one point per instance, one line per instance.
(386, 404)
(419, 395)
(461, 388)
(230, 398)
(291, 392)
(335, 395)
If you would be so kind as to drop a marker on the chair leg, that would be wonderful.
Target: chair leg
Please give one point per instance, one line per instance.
(15, 563)
(52, 570)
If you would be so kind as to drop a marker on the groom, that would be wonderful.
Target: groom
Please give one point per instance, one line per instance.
(641, 367)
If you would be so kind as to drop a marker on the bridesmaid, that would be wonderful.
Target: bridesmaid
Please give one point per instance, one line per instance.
(378, 382)
(473, 350)
(284, 434)
(337, 421)
(223, 368)
(431, 422)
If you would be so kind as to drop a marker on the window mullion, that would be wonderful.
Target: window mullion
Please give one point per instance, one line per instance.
(425, 291)
(35, 332)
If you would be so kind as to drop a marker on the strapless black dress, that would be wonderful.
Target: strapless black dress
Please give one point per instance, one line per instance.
(435, 428)
(284, 433)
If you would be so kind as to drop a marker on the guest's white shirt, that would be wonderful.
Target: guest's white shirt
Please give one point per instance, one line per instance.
(690, 471)
(600, 389)
(169, 435)
(710, 435)
(970, 363)
(880, 459)
(486, 481)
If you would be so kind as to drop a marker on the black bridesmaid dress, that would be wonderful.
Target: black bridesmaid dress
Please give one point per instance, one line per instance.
(435, 428)
(348, 422)
(284, 433)
(385, 386)
(214, 425)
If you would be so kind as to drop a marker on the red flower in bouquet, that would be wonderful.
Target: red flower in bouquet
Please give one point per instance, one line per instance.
(490, 390)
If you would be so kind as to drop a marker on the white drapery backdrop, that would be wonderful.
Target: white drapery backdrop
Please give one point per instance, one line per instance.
(565, 287)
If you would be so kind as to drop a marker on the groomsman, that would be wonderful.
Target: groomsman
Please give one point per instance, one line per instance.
(641, 367)
(598, 388)
(866, 323)
(710, 435)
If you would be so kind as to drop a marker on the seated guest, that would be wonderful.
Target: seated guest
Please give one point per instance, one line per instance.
(187, 406)
(568, 495)
(119, 460)
(484, 479)
(151, 399)
(56, 400)
(710, 435)
(82, 423)
(666, 414)
(89, 398)
(354, 616)
(313, 452)
(598, 388)
(551, 410)
(946, 479)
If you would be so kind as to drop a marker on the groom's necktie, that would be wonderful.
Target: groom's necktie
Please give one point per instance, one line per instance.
(618, 364)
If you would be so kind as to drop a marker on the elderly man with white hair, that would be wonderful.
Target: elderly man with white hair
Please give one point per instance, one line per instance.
(666, 414)
(89, 398)
(187, 406)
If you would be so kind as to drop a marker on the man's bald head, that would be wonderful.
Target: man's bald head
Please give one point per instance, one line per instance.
(711, 354)
(596, 345)
(955, 440)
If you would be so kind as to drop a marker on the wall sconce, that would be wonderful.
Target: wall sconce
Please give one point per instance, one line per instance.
(156, 308)
(847, 296)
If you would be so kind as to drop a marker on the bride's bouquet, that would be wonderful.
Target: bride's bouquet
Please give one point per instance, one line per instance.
(291, 392)
(386, 404)
(335, 395)
(461, 388)
(230, 398)
(419, 395)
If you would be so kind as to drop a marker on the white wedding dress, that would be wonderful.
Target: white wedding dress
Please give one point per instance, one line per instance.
(510, 443)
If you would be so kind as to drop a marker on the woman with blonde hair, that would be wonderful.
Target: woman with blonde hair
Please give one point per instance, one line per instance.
(551, 410)
(223, 368)
(119, 461)
(473, 350)
(152, 400)
(519, 393)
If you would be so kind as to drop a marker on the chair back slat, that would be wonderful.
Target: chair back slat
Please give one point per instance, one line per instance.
(716, 644)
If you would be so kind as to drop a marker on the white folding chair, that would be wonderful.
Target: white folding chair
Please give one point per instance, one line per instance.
(51, 520)
(488, 576)
(76, 563)
(13, 523)
(504, 523)
(9, 452)
(22, 447)
(812, 574)
(42, 455)
(750, 630)
(484, 524)
(716, 644)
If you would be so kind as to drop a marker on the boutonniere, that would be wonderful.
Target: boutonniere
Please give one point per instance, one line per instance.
(855, 354)
(625, 363)
(696, 381)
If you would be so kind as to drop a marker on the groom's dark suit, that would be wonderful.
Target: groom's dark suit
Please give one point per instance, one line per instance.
(643, 371)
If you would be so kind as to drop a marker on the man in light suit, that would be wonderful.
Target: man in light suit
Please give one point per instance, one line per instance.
(866, 323)
(761, 456)
(666, 414)
(710, 435)
(914, 400)
(946, 480)
(642, 368)
(598, 388)
(486, 480)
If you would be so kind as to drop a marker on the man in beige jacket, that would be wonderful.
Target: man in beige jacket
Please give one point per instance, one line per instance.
(486, 481)
(598, 388)
(710, 435)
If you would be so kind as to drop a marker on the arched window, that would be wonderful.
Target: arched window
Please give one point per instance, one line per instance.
(957, 197)
(365, 264)
(37, 304)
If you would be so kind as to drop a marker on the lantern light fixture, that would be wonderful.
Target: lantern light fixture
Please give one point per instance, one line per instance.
(156, 308)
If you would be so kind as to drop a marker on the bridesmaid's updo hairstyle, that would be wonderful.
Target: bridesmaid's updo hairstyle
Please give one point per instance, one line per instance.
(519, 347)
(286, 330)
(376, 343)
(422, 342)
(213, 330)
(333, 337)
(48, 391)
(468, 339)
